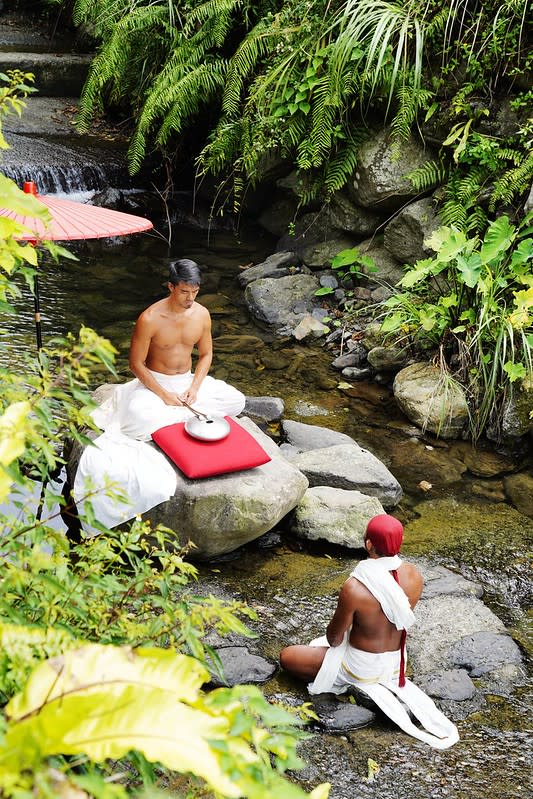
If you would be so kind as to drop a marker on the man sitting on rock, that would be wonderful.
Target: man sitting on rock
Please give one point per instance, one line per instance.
(161, 359)
(364, 645)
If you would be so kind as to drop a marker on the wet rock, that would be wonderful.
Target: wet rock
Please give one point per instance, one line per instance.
(276, 217)
(277, 265)
(282, 302)
(484, 463)
(320, 254)
(405, 235)
(268, 409)
(240, 667)
(304, 437)
(439, 581)
(309, 327)
(355, 357)
(484, 651)
(441, 622)
(334, 515)
(56, 74)
(452, 684)
(503, 680)
(389, 270)
(351, 467)
(337, 715)
(220, 514)
(494, 492)
(329, 281)
(415, 461)
(345, 215)
(519, 489)
(380, 181)
(516, 420)
(388, 358)
(431, 402)
(353, 373)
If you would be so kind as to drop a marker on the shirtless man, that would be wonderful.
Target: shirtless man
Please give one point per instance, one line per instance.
(161, 349)
(364, 645)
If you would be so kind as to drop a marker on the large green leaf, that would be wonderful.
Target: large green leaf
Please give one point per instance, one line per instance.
(498, 239)
(104, 701)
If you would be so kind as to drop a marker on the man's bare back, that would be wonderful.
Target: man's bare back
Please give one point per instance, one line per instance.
(371, 630)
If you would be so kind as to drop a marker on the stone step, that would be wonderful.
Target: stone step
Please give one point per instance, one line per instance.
(56, 74)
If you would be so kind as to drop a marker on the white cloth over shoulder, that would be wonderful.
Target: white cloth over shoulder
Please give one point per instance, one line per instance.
(376, 674)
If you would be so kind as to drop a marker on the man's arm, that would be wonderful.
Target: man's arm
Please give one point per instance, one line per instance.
(344, 612)
(203, 364)
(139, 347)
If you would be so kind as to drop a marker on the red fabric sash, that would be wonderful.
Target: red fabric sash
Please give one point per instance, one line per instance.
(401, 679)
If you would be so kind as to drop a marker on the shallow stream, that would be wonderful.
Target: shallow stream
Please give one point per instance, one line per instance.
(462, 522)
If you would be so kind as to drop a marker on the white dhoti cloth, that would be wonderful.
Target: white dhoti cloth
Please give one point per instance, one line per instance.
(121, 456)
(376, 674)
(140, 411)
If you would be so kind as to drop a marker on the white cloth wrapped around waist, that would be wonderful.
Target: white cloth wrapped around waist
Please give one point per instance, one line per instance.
(137, 412)
(376, 674)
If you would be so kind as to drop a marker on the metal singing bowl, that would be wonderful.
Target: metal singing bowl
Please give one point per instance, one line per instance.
(206, 428)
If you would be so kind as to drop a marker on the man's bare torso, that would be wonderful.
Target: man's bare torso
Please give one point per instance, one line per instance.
(174, 336)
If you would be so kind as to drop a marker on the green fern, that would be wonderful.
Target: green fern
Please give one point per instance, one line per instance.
(513, 183)
(429, 175)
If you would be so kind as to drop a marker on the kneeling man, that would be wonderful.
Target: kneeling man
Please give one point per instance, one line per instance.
(161, 359)
(364, 645)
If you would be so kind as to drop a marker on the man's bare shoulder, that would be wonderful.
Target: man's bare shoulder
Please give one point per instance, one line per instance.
(153, 312)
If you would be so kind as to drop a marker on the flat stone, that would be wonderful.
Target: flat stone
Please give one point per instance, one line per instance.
(340, 716)
(519, 489)
(241, 666)
(483, 652)
(309, 436)
(453, 684)
(268, 409)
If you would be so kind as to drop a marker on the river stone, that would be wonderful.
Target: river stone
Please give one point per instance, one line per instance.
(320, 254)
(276, 217)
(451, 684)
(430, 401)
(309, 326)
(355, 357)
(519, 489)
(353, 373)
(516, 418)
(416, 461)
(484, 463)
(380, 181)
(220, 514)
(439, 581)
(351, 218)
(242, 667)
(277, 265)
(267, 409)
(405, 235)
(389, 270)
(335, 515)
(351, 467)
(275, 300)
(484, 651)
(388, 358)
(341, 716)
(441, 622)
(309, 436)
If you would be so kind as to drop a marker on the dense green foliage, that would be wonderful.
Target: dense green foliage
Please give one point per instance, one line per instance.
(473, 302)
(102, 652)
(301, 81)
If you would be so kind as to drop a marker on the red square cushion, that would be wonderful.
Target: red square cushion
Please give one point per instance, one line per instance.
(239, 450)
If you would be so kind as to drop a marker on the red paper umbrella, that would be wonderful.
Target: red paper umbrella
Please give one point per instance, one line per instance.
(71, 220)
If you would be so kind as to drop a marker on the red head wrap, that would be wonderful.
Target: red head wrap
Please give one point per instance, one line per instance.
(386, 534)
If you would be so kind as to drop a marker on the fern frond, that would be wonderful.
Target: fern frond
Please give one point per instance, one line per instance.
(429, 175)
(513, 183)
(340, 168)
(254, 46)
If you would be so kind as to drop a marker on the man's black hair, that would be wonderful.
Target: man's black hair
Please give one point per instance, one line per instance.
(184, 271)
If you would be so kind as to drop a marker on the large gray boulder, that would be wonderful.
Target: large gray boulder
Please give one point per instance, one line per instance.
(405, 235)
(280, 264)
(380, 181)
(430, 400)
(335, 515)
(351, 467)
(282, 302)
(220, 514)
(305, 437)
